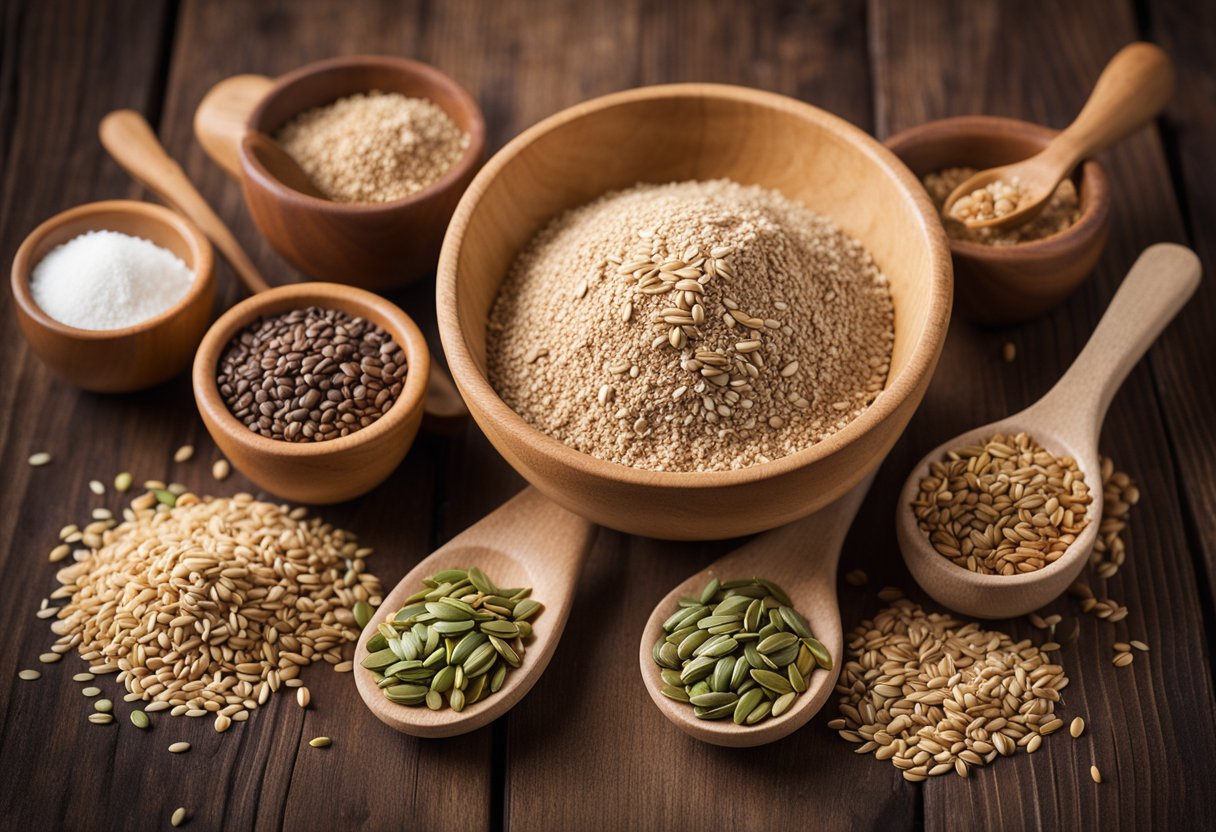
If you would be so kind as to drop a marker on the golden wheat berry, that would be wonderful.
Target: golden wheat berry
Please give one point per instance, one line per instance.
(692, 326)
(374, 147)
(210, 605)
(1003, 506)
(928, 692)
(1061, 211)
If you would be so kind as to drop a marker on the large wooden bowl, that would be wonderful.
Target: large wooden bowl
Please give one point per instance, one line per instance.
(374, 245)
(133, 357)
(682, 132)
(315, 472)
(1007, 284)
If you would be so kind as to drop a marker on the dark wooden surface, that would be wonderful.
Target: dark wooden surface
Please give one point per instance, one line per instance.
(586, 750)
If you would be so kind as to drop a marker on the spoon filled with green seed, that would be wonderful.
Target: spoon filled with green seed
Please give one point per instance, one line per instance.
(469, 630)
(747, 650)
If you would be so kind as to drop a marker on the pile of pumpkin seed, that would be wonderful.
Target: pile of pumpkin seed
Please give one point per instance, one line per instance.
(454, 639)
(739, 650)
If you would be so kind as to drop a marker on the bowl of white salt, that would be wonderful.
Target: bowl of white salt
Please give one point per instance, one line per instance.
(693, 311)
(114, 296)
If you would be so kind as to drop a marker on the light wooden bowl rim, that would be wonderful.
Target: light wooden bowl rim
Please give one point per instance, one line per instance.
(428, 74)
(326, 295)
(476, 387)
(1072, 241)
(203, 265)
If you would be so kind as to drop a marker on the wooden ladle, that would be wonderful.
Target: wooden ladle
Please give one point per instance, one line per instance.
(1133, 88)
(801, 558)
(129, 139)
(1067, 422)
(528, 541)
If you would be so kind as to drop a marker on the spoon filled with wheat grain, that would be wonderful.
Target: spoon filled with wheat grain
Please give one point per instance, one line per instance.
(529, 541)
(797, 561)
(1133, 88)
(984, 544)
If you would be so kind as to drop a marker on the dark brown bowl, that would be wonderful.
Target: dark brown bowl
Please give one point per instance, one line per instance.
(378, 245)
(1007, 284)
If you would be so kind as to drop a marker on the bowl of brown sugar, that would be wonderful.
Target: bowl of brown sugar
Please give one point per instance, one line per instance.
(700, 332)
(1006, 276)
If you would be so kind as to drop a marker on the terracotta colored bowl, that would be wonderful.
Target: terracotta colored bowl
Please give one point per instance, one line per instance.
(315, 472)
(134, 357)
(376, 246)
(1007, 284)
(752, 137)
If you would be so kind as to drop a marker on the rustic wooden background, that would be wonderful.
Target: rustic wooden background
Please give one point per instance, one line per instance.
(586, 749)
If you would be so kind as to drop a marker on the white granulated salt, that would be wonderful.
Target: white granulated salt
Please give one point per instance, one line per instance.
(108, 280)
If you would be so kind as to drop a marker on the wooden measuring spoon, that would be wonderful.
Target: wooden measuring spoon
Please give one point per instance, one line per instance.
(222, 118)
(801, 558)
(129, 139)
(1067, 422)
(1133, 88)
(528, 541)
(281, 164)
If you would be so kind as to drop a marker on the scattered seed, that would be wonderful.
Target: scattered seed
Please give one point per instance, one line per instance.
(1095, 774)
(1009, 352)
(103, 706)
(49, 658)
(179, 747)
(39, 459)
(1139, 645)
(101, 719)
(1123, 659)
(302, 697)
(220, 469)
(140, 719)
(29, 675)
(183, 454)
(84, 677)
(857, 577)
(91, 691)
(1076, 727)
(178, 817)
(96, 487)
(320, 742)
(59, 553)
(122, 482)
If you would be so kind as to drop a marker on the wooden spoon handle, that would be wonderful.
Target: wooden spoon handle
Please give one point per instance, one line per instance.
(130, 140)
(801, 549)
(222, 118)
(1160, 282)
(1133, 88)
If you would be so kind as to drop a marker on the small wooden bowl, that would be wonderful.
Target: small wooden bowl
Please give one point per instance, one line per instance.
(746, 135)
(1008, 284)
(315, 472)
(373, 245)
(133, 357)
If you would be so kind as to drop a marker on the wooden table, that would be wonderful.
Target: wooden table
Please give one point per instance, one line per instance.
(586, 749)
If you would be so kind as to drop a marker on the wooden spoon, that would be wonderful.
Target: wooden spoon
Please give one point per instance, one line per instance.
(1133, 88)
(528, 541)
(801, 558)
(280, 164)
(1067, 422)
(222, 118)
(129, 139)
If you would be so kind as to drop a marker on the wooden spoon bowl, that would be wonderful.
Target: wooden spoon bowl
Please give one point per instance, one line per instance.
(1066, 422)
(373, 245)
(801, 558)
(751, 137)
(315, 472)
(134, 357)
(528, 541)
(1007, 284)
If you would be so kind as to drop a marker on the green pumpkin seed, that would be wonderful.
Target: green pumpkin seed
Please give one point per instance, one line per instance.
(103, 706)
(697, 669)
(716, 620)
(447, 612)
(525, 609)
(500, 676)
(713, 699)
(434, 700)
(746, 704)
(717, 647)
(465, 647)
(773, 681)
(710, 590)
(140, 719)
(821, 654)
(783, 703)
(667, 655)
(796, 681)
(502, 629)
(733, 604)
(719, 680)
(479, 580)
(506, 651)
(449, 576)
(363, 613)
(690, 645)
(451, 628)
(673, 692)
(456, 699)
(761, 711)
(670, 677)
(777, 642)
(795, 622)
(753, 615)
(444, 679)
(720, 712)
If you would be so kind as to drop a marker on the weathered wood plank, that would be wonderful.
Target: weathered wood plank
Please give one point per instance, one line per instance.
(1154, 721)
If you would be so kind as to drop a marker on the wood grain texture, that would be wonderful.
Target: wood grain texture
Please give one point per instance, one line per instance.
(585, 749)
(1038, 63)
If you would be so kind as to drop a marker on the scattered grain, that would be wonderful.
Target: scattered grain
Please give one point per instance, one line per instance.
(183, 454)
(220, 469)
(179, 747)
(39, 459)
(857, 577)
(29, 675)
